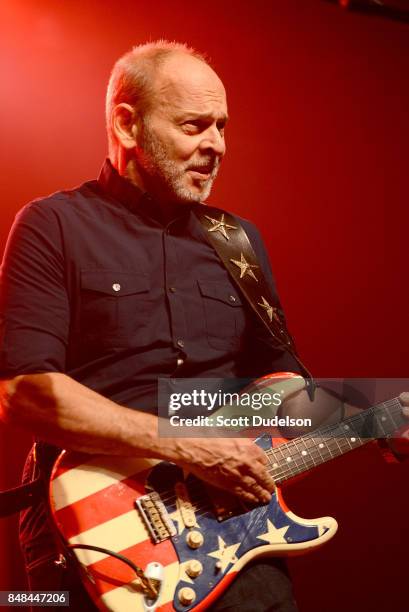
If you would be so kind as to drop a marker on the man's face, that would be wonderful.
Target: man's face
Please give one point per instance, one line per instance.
(181, 138)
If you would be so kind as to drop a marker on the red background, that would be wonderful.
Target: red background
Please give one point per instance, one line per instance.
(317, 157)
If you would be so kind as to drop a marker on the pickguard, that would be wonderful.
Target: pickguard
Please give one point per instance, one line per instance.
(226, 542)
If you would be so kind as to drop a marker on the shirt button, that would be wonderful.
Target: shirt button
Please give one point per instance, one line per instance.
(172, 289)
(180, 343)
(116, 287)
(232, 298)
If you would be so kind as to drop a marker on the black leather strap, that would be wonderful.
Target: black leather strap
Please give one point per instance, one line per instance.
(229, 239)
(21, 497)
(31, 493)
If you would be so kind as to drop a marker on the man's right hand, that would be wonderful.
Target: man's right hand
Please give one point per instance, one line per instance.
(234, 464)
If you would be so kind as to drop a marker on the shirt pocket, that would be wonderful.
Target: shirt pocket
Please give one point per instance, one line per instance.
(114, 306)
(223, 314)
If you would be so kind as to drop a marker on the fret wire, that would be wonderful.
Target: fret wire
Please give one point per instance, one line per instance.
(301, 450)
(308, 453)
(391, 408)
(296, 455)
(340, 451)
(333, 447)
(294, 458)
(392, 419)
(320, 454)
(332, 428)
(326, 452)
(274, 454)
(387, 414)
(338, 447)
(281, 452)
(380, 425)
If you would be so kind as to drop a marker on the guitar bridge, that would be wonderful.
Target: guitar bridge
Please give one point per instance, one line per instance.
(156, 517)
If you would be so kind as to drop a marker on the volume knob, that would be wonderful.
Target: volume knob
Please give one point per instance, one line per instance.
(194, 568)
(194, 539)
(186, 596)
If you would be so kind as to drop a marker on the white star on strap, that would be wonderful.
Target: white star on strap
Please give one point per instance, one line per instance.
(245, 267)
(220, 226)
(225, 554)
(274, 535)
(271, 311)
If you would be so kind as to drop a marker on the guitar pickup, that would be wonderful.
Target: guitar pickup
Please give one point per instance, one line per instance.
(156, 517)
(184, 505)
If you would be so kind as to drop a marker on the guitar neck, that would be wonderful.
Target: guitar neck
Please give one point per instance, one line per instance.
(329, 442)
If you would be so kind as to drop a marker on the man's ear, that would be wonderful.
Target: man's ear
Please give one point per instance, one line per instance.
(125, 125)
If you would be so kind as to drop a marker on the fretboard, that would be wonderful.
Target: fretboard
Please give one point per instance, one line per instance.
(329, 442)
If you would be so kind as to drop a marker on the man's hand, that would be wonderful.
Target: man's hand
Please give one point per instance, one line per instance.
(399, 442)
(404, 400)
(235, 464)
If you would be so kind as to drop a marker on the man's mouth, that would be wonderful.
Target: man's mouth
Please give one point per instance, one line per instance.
(204, 171)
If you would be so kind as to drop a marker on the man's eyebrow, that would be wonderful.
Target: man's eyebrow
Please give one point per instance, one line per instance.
(198, 115)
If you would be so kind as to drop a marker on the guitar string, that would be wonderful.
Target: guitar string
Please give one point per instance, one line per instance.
(288, 470)
(314, 435)
(310, 462)
(295, 464)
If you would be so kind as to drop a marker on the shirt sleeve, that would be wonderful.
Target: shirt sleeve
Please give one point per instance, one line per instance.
(265, 356)
(34, 307)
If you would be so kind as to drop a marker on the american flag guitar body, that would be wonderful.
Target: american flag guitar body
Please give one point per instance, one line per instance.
(188, 540)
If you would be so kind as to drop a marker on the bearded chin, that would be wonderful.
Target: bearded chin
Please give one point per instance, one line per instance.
(165, 181)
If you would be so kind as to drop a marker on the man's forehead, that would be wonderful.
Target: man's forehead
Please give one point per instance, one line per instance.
(186, 83)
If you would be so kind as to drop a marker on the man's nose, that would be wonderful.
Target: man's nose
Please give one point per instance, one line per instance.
(213, 140)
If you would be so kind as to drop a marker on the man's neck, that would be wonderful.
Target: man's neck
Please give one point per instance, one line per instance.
(129, 171)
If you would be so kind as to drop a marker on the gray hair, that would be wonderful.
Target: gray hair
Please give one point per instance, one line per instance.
(132, 77)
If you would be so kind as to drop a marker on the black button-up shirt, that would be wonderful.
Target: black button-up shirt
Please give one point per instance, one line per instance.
(102, 283)
(105, 285)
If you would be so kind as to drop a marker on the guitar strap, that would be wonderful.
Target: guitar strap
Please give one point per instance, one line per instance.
(228, 238)
(21, 497)
(25, 495)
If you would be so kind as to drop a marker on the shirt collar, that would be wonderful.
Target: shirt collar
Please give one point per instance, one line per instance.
(119, 187)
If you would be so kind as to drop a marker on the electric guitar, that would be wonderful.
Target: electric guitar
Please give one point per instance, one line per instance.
(148, 537)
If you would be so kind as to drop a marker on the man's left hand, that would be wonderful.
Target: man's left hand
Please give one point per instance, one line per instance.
(399, 442)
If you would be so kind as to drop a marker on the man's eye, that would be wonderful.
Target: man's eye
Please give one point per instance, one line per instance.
(192, 126)
(195, 127)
